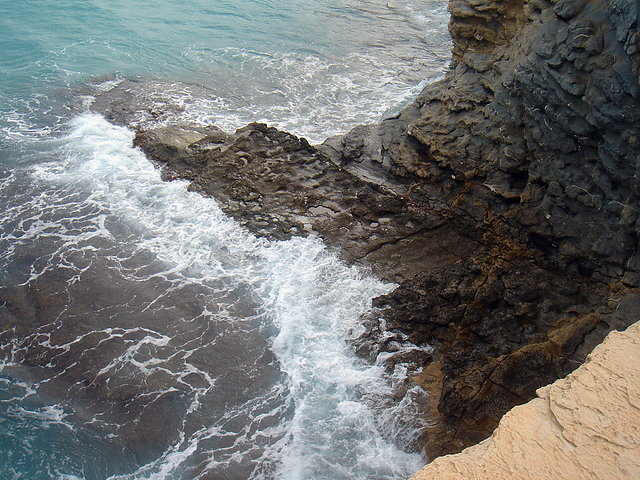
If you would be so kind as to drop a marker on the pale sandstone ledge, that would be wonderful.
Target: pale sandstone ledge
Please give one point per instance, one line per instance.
(585, 426)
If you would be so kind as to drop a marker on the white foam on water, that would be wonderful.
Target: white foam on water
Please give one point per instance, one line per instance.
(307, 94)
(311, 299)
(316, 301)
(390, 51)
(100, 200)
(45, 416)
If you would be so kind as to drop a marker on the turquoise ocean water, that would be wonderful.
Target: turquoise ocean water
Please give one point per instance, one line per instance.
(143, 334)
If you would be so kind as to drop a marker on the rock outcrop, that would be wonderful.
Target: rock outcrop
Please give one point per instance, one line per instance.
(531, 138)
(586, 426)
(503, 201)
(542, 109)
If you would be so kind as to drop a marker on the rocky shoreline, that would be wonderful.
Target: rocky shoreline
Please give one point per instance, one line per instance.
(503, 202)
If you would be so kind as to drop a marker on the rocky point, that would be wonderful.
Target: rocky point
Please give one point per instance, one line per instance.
(503, 202)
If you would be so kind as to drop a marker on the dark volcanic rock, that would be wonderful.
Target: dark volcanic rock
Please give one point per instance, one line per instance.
(504, 201)
(552, 125)
(533, 134)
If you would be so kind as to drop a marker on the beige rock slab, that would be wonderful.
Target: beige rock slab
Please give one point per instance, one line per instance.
(585, 426)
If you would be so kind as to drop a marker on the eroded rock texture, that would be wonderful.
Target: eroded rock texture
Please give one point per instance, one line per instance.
(530, 143)
(503, 201)
(586, 426)
(542, 109)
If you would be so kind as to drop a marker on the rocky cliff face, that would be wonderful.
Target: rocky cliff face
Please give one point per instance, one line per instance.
(503, 201)
(542, 109)
(530, 143)
(586, 426)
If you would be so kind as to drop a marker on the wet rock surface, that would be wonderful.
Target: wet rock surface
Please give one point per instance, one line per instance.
(279, 186)
(503, 201)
